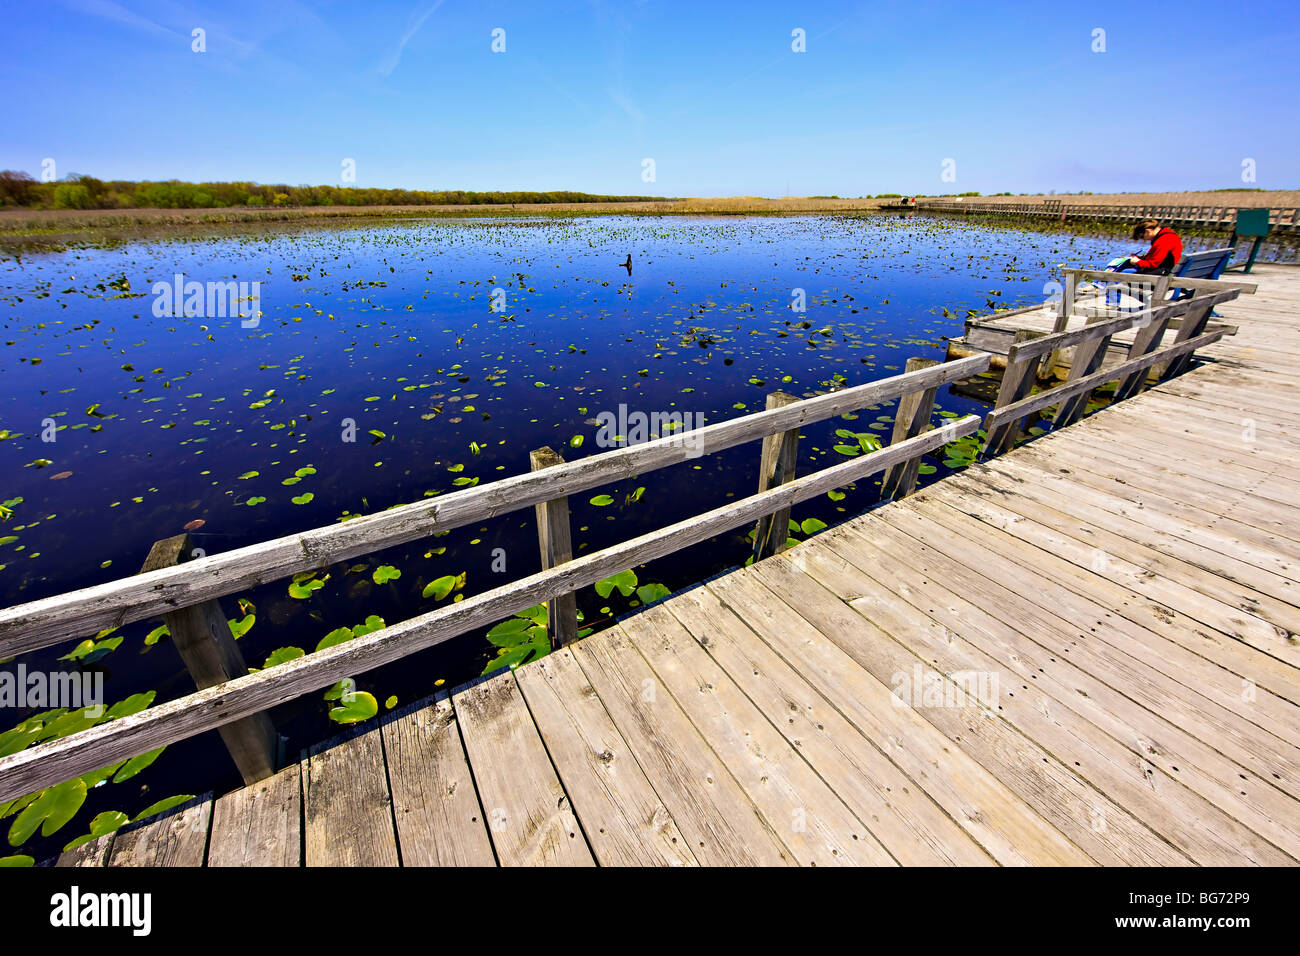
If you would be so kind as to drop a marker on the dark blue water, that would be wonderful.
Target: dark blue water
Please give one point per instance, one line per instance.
(392, 328)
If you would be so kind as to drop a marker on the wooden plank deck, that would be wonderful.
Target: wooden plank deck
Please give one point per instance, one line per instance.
(1095, 633)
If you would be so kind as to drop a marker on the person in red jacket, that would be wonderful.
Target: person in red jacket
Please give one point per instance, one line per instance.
(1165, 252)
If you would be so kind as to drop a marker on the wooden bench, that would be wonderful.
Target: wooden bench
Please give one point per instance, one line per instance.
(1207, 264)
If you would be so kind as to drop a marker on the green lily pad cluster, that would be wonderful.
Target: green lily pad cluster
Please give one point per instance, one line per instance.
(520, 639)
(964, 451)
(861, 442)
(49, 810)
(305, 584)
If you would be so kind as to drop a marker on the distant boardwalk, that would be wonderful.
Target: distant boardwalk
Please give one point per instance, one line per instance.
(1282, 220)
(1083, 652)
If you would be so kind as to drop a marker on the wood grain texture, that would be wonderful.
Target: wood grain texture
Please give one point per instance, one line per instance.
(1017, 382)
(529, 816)
(439, 819)
(1161, 775)
(260, 824)
(178, 837)
(776, 466)
(556, 545)
(911, 419)
(855, 665)
(92, 854)
(625, 821)
(911, 825)
(1005, 415)
(710, 808)
(347, 810)
(201, 635)
(808, 816)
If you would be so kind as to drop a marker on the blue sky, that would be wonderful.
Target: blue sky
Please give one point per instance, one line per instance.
(585, 91)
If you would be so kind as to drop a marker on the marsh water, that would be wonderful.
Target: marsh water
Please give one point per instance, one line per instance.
(394, 362)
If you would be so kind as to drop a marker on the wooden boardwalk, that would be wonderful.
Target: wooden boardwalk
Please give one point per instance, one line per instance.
(1082, 652)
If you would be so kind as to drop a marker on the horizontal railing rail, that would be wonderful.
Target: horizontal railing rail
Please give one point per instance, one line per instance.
(55, 761)
(48, 621)
(1140, 278)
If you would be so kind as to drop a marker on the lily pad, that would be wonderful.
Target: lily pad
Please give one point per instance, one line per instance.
(440, 588)
(361, 706)
(49, 812)
(240, 627)
(281, 655)
(162, 806)
(649, 593)
(625, 581)
(103, 824)
(134, 766)
(385, 573)
(303, 589)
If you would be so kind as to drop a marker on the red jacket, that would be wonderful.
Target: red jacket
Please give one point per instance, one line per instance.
(1165, 252)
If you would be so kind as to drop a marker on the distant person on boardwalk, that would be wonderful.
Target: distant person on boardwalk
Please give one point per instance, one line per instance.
(1166, 250)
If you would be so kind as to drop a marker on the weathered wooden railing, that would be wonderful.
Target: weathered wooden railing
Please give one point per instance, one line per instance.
(1150, 289)
(1090, 343)
(171, 584)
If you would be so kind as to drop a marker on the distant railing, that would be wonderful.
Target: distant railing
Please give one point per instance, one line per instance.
(1209, 217)
(185, 591)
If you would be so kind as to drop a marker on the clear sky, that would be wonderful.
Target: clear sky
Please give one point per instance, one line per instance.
(1012, 93)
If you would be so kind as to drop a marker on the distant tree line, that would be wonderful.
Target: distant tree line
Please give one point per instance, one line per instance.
(86, 192)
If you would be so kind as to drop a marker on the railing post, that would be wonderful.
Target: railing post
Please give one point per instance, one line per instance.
(1017, 382)
(775, 467)
(203, 638)
(1088, 358)
(1194, 322)
(911, 419)
(1147, 340)
(557, 548)
(1159, 292)
(1068, 293)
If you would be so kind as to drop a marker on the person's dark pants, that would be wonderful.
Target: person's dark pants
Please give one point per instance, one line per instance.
(1154, 271)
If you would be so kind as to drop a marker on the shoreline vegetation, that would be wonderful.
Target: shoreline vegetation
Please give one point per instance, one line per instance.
(29, 226)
